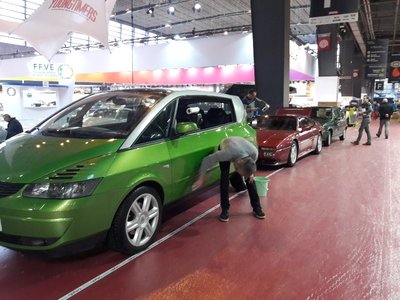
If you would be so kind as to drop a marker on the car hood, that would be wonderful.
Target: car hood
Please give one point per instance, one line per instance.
(273, 138)
(25, 158)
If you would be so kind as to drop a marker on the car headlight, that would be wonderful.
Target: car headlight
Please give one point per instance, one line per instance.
(69, 190)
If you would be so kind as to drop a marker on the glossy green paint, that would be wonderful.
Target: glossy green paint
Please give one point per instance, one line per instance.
(29, 158)
(170, 165)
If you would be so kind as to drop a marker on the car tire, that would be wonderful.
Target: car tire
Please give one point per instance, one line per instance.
(343, 136)
(318, 147)
(136, 222)
(328, 140)
(293, 154)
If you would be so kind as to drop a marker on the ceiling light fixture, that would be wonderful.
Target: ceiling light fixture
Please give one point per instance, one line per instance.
(196, 7)
(226, 32)
(150, 11)
(171, 10)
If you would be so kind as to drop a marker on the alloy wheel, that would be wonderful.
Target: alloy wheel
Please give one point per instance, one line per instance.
(142, 219)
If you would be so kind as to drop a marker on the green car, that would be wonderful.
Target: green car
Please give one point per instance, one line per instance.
(103, 168)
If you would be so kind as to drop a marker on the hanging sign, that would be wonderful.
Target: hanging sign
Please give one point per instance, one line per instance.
(324, 41)
(376, 59)
(333, 11)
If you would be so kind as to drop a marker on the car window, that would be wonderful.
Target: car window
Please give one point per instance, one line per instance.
(159, 128)
(278, 123)
(321, 113)
(112, 115)
(306, 122)
(309, 122)
(336, 113)
(206, 112)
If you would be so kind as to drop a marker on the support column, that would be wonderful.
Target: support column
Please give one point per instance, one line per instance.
(327, 82)
(271, 20)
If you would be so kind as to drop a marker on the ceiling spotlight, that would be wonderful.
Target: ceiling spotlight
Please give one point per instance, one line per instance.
(226, 32)
(171, 10)
(196, 7)
(150, 11)
(177, 37)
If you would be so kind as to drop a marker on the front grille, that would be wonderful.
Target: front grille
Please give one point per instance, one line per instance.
(8, 189)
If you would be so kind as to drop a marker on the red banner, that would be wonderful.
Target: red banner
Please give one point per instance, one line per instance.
(324, 41)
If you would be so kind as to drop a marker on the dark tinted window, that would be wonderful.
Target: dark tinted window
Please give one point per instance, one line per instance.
(278, 123)
(159, 127)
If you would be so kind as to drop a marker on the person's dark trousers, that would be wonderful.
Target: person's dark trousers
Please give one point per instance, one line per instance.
(364, 126)
(224, 188)
(386, 124)
(254, 198)
(224, 184)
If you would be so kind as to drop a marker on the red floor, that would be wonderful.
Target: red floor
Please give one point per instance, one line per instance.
(332, 232)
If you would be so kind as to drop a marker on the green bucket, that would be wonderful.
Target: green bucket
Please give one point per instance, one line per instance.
(261, 185)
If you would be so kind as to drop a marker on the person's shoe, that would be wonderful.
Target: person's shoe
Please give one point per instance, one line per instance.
(367, 144)
(378, 135)
(355, 143)
(386, 137)
(224, 216)
(258, 213)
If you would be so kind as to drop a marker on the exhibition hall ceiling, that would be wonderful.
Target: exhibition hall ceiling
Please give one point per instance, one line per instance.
(214, 17)
(378, 19)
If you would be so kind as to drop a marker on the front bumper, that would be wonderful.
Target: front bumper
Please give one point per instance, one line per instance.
(46, 224)
(273, 157)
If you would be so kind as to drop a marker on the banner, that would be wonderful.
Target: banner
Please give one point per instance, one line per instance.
(8, 26)
(394, 68)
(324, 41)
(52, 23)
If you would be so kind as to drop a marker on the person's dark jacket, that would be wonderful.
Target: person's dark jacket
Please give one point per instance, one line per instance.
(13, 128)
(385, 111)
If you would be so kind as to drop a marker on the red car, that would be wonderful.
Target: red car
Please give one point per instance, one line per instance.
(282, 139)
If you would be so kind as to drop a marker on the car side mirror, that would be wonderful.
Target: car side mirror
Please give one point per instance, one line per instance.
(186, 127)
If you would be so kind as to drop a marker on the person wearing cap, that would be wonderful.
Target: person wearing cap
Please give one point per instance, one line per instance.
(243, 155)
(366, 120)
(14, 126)
(385, 112)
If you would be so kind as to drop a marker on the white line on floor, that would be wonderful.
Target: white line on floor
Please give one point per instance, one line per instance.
(156, 243)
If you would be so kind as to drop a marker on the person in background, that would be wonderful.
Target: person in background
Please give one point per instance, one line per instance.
(385, 112)
(366, 120)
(375, 108)
(14, 126)
(243, 155)
(252, 105)
(3, 134)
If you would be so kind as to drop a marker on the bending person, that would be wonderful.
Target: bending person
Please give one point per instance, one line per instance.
(243, 155)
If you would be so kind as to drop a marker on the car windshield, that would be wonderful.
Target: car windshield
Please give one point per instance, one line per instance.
(278, 123)
(323, 113)
(105, 115)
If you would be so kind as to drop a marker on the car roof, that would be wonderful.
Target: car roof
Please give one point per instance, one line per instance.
(306, 111)
(287, 116)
